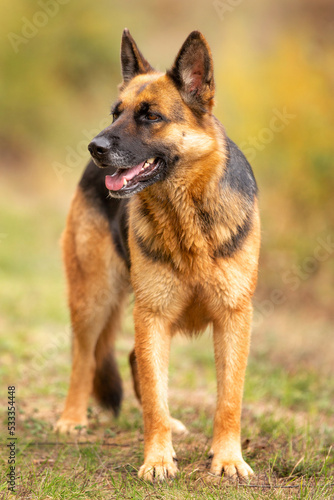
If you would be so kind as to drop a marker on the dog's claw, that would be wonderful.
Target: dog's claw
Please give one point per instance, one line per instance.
(231, 468)
(158, 471)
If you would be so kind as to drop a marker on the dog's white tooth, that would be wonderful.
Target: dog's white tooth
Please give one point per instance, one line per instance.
(125, 182)
(151, 160)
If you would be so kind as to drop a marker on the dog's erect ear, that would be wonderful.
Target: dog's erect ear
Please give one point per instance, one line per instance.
(192, 73)
(133, 62)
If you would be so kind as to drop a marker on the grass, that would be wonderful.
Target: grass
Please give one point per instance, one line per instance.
(288, 416)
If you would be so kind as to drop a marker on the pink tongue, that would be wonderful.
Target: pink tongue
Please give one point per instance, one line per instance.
(116, 181)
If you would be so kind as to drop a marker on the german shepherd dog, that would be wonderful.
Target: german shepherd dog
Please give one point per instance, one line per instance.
(171, 214)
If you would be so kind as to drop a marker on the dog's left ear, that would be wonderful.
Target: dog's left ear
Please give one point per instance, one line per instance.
(133, 62)
(192, 73)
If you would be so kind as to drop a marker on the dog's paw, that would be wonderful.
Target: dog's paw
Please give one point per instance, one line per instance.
(65, 426)
(230, 467)
(178, 427)
(158, 470)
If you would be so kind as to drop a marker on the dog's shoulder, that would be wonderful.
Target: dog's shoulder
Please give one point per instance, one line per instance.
(239, 174)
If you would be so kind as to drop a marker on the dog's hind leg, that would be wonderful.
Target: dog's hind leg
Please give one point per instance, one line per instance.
(97, 285)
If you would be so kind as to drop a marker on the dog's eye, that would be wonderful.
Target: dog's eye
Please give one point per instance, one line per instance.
(115, 116)
(151, 117)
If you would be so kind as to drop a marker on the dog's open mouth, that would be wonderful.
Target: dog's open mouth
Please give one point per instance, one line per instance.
(127, 178)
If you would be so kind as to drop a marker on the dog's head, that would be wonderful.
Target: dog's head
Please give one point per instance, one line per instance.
(160, 121)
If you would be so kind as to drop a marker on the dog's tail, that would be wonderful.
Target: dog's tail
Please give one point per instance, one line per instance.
(107, 385)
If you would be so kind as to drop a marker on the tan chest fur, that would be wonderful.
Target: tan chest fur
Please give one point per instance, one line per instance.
(190, 287)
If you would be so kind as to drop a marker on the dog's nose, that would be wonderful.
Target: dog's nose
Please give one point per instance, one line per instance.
(99, 146)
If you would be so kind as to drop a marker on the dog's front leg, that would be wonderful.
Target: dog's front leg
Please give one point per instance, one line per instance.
(152, 345)
(231, 342)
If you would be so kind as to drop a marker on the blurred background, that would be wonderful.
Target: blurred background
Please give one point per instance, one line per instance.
(274, 70)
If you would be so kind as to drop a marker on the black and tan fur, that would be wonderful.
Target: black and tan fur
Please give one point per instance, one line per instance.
(184, 237)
